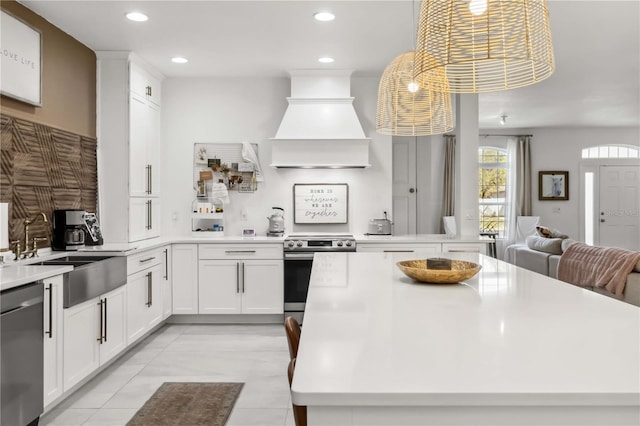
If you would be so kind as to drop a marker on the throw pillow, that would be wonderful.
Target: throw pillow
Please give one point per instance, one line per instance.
(545, 245)
(547, 232)
(566, 243)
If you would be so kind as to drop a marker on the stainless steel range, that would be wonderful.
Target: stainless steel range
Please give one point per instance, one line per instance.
(298, 258)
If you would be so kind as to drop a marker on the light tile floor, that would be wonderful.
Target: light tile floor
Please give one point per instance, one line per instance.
(254, 354)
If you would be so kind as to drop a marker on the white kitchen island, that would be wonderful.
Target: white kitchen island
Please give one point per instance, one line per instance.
(507, 347)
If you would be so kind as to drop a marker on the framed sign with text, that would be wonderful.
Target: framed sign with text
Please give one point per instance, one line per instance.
(320, 203)
(20, 60)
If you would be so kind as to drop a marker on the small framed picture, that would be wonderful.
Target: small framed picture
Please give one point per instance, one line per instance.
(248, 233)
(553, 185)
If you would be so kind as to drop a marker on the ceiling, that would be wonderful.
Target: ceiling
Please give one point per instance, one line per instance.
(596, 44)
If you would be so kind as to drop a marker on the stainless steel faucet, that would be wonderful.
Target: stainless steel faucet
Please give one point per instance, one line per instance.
(33, 251)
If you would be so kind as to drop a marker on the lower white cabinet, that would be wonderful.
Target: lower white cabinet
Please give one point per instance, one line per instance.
(400, 247)
(166, 283)
(53, 339)
(94, 332)
(451, 246)
(252, 286)
(184, 279)
(144, 301)
(465, 247)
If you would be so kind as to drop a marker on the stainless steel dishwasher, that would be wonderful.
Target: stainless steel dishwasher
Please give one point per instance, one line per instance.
(21, 355)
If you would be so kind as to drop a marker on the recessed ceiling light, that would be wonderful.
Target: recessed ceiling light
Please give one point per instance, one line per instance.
(137, 16)
(324, 16)
(325, 60)
(179, 60)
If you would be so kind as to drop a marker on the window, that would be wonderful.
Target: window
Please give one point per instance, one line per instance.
(611, 151)
(492, 179)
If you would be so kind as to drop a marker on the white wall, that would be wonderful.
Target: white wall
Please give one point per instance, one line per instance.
(561, 149)
(233, 110)
(220, 110)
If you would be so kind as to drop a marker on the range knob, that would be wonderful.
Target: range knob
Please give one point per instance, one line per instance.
(339, 243)
(299, 243)
(348, 243)
(290, 244)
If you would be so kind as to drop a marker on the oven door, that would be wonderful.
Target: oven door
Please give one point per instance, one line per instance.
(297, 271)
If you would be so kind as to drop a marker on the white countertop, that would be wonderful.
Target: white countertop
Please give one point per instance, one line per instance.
(373, 337)
(24, 274)
(125, 249)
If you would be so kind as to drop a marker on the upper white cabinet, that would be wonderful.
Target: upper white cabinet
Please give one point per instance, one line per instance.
(144, 149)
(128, 94)
(145, 84)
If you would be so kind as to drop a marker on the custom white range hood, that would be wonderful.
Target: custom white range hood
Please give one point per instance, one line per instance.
(320, 128)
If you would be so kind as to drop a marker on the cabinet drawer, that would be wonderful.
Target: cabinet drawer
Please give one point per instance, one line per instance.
(144, 260)
(240, 251)
(465, 247)
(400, 247)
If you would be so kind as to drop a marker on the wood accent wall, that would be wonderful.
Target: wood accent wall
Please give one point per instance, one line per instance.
(68, 79)
(44, 169)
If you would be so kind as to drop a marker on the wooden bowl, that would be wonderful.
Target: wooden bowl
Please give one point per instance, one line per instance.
(460, 270)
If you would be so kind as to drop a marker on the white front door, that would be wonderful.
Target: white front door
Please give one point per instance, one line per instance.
(404, 185)
(619, 207)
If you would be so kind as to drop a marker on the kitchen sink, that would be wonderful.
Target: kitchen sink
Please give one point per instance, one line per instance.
(91, 276)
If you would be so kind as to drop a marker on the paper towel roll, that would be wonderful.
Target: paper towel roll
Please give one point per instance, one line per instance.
(4, 225)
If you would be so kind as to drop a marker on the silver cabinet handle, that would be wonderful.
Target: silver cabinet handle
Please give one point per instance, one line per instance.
(100, 339)
(237, 277)
(149, 284)
(50, 290)
(147, 260)
(148, 186)
(150, 178)
(106, 320)
(239, 251)
(166, 264)
(149, 214)
(243, 277)
(398, 251)
(147, 204)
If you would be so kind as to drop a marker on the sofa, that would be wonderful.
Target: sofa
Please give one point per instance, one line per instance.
(542, 255)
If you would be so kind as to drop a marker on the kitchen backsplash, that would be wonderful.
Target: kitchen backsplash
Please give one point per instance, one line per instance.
(44, 169)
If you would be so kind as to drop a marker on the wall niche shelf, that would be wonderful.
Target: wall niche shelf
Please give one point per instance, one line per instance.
(205, 220)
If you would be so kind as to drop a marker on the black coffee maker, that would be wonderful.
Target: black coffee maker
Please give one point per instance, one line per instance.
(68, 230)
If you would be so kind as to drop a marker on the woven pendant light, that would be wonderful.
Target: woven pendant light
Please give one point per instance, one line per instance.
(409, 106)
(484, 45)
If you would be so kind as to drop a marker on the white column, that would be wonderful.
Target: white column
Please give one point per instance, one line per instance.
(467, 135)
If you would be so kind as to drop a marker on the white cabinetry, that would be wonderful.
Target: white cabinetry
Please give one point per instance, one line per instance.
(94, 332)
(400, 247)
(53, 323)
(166, 282)
(184, 278)
(145, 84)
(144, 217)
(129, 147)
(465, 247)
(144, 292)
(144, 134)
(426, 247)
(240, 278)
